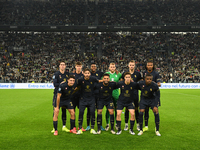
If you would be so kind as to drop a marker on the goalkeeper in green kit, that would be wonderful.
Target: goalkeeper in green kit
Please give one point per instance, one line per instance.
(115, 94)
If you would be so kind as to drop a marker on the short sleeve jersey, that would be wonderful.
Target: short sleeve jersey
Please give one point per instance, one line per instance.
(66, 91)
(87, 87)
(105, 91)
(58, 77)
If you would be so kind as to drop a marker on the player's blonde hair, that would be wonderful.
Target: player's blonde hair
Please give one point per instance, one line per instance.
(112, 63)
(132, 61)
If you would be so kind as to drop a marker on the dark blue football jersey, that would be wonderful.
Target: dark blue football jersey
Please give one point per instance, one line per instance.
(58, 77)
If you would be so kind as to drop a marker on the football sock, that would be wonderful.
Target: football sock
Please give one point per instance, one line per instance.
(132, 122)
(126, 115)
(141, 120)
(119, 125)
(99, 121)
(72, 123)
(107, 116)
(157, 121)
(93, 120)
(64, 117)
(137, 115)
(88, 117)
(146, 116)
(55, 124)
(112, 121)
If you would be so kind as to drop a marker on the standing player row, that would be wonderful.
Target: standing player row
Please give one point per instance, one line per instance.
(87, 96)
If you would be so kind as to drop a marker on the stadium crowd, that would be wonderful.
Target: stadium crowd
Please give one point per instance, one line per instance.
(118, 13)
(34, 57)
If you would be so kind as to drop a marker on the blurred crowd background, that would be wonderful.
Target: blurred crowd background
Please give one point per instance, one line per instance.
(34, 56)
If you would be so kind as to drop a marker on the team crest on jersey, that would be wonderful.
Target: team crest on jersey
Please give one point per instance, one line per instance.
(96, 74)
(151, 89)
(135, 76)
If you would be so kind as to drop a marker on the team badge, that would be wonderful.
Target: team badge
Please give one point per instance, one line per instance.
(151, 89)
(122, 87)
(135, 76)
(131, 88)
(90, 82)
(96, 74)
(66, 75)
(65, 88)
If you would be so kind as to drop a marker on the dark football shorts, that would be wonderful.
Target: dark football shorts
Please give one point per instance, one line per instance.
(121, 105)
(108, 104)
(148, 103)
(66, 104)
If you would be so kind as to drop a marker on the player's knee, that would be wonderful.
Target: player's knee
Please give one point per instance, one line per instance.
(99, 111)
(142, 110)
(111, 111)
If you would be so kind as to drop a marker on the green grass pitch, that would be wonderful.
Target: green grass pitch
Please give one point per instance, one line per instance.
(26, 122)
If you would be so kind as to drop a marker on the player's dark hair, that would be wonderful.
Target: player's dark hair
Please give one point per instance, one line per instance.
(71, 76)
(106, 74)
(93, 64)
(150, 61)
(61, 61)
(78, 63)
(148, 75)
(127, 73)
(86, 69)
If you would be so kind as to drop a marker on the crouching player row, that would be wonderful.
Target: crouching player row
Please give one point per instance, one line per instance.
(149, 93)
